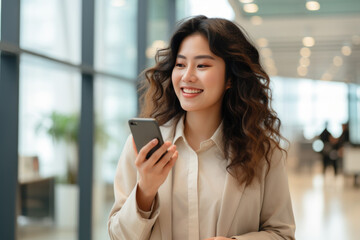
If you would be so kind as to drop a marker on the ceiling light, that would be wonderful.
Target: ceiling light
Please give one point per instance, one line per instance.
(246, 1)
(346, 50)
(118, 3)
(159, 44)
(304, 61)
(312, 5)
(305, 52)
(338, 61)
(262, 42)
(155, 46)
(302, 71)
(326, 76)
(256, 20)
(251, 8)
(150, 52)
(308, 41)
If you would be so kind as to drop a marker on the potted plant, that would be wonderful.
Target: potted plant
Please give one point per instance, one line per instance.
(63, 129)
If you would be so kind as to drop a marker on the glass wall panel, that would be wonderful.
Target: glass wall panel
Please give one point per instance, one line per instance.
(51, 27)
(305, 105)
(209, 8)
(182, 8)
(115, 103)
(48, 124)
(115, 37)
(158, 28)
(354, 113)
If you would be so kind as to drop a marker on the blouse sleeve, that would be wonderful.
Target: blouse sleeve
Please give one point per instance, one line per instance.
(125, 220)
(276, 216)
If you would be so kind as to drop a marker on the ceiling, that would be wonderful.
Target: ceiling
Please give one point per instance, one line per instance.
(291, 8)
(286, 22)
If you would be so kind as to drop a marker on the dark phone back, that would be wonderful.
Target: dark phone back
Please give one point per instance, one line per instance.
(144, 130)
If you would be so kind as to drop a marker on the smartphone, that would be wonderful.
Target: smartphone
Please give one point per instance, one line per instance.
(144, 130)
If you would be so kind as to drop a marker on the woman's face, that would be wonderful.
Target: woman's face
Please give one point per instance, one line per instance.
(198, 76)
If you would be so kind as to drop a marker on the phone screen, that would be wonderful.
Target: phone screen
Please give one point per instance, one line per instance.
(144, 130)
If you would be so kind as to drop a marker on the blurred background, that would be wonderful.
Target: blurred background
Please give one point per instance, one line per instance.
(67, 65)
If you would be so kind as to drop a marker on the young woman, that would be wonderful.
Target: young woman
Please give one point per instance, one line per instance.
(223, 176)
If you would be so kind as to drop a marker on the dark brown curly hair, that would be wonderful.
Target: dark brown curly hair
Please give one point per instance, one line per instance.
(251, 129)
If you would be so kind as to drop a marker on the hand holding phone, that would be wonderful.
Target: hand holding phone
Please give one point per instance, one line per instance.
(154, 160)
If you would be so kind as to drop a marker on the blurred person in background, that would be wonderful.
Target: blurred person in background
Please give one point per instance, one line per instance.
(223, 175)
(340, 143)
(329, 152)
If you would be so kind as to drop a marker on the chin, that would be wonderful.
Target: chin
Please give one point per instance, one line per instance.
(188, 108)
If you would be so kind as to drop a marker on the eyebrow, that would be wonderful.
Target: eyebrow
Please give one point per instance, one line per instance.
(197, 57)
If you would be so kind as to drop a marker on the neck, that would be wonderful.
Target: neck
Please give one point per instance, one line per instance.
(200, 127)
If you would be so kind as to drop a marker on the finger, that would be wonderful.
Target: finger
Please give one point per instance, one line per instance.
(171, 163)
(146, 149)
(155, 157)
(167, 157)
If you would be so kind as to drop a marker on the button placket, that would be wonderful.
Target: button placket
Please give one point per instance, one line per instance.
(193, 196)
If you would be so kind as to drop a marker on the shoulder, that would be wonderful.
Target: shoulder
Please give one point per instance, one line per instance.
(277, 162)
(276, 172)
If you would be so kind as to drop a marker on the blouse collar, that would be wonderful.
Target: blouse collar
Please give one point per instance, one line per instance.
(216, 138)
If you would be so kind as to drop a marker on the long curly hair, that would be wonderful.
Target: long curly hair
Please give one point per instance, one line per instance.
(251, 128)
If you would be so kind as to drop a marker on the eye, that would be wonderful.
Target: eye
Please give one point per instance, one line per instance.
(202, 66)
(180, 65)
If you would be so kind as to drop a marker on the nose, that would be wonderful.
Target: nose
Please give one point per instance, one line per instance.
(189, 75)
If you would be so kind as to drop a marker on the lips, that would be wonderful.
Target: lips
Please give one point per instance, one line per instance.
(191, 90)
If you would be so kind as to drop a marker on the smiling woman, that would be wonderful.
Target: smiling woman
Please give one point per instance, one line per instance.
(223, 164)
(199, 77)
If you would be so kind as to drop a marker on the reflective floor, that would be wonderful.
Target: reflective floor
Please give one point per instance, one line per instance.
(325, 208)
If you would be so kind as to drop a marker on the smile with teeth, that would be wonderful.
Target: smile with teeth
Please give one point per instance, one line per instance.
(191, 90)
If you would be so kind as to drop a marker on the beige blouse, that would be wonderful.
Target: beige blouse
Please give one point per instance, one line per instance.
(198, 185)
(199, 199)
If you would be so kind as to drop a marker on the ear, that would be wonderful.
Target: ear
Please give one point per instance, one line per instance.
(228, 84)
